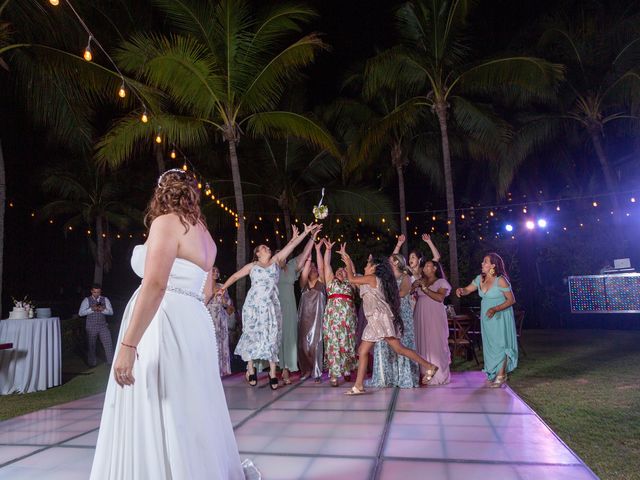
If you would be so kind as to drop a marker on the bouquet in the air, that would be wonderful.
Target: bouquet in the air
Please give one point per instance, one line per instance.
(320, 211)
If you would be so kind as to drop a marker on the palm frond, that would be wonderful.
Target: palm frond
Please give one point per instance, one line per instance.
(280, 124)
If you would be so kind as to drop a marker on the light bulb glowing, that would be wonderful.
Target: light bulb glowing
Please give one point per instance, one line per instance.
(184, 167)
(530, 225)
(508, 227)
(173, 154)
(122, 92)
(144, 117)
(55, 3)
(87, 54)
(595, 204)
(633, 199)
(158, 139)
(542, 223)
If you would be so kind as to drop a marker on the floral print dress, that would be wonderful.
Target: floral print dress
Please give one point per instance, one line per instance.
(339, 327)
(261, 316)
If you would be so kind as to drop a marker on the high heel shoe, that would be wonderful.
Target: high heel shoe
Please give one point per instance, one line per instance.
(429, 374)
(498, 381)
(273, 382)
(252, 378)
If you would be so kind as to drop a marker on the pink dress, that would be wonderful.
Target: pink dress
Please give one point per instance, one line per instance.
(378, 314)
(432, 331)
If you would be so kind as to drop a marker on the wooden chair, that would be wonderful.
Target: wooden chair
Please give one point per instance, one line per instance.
(459, 339)
(519, 314)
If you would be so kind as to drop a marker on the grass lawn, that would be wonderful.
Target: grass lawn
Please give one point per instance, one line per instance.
(584, 383)
(78, 381)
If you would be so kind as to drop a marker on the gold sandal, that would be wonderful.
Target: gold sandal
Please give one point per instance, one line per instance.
(355, 391)
(429, 374)
(333, 382)
(498, 382)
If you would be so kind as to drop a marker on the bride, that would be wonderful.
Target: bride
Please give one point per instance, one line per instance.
(165, 416)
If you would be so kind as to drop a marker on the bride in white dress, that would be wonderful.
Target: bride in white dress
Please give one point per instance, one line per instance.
(165, 416)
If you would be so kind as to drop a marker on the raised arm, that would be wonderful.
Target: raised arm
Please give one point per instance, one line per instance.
(399, 243)
(320, 262)
(370, 280)
(243, 272)
(306, 253)
(293, 243)
(304, 276)
(434, 251)
(328, 271)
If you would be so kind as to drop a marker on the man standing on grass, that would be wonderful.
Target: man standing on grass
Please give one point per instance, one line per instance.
(95, 307)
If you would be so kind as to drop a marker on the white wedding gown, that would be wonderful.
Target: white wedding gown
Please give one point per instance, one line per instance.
(173, 423)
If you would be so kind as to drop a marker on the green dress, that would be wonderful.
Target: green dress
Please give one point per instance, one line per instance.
(289, 341)
(499, 338)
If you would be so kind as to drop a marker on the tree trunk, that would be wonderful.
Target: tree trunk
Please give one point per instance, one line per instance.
(159, 154)
(441, 111)
(287, 224)
(99, 260)
(241, 239)
(609, 178)
(3, 197)
(396, 159)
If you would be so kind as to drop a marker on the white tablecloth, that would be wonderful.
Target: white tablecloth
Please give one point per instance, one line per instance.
(35, 362)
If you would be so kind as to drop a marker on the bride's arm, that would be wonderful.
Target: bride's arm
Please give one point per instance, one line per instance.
(162, 249)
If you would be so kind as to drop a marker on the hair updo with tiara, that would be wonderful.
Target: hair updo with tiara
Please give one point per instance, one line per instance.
(177, 192)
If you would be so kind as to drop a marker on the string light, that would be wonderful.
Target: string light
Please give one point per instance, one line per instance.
(55, 3)
(144, 118)
(184, 167)
(122, 92)
(88, 56)
(159, 139)
(595, 204)
(173, 154)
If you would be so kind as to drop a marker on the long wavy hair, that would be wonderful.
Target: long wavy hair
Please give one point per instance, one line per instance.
(384, 272)
(496, 260)
(177, 192)
(399, 261)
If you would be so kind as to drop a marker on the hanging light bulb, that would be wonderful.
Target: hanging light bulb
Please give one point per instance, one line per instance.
(184, 167)
(199, 185)
(207, 189)
(55, 3)
(173, 154)
(158, 138)
(144, 117)
(122, 92)
(87, 51)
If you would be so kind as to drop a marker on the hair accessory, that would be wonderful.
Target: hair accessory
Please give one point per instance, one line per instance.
(176, 170)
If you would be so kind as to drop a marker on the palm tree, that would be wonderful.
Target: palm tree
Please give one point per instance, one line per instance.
(600, 50)
(433, 62)
(223, 74)
(89, 199)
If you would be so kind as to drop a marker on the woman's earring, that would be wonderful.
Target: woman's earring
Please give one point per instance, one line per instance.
(492, 272)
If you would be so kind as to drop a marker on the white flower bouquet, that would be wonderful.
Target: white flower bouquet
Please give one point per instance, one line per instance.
(320, 211)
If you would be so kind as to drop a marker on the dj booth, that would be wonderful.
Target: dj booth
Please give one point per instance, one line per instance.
(609, 293)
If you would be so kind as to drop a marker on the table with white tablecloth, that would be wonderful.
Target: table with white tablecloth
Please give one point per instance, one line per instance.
(35, 361)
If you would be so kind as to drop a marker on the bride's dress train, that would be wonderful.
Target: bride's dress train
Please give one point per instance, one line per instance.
(173, 423)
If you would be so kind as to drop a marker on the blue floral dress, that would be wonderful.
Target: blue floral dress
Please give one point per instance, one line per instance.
(390, 369)
(261, 316)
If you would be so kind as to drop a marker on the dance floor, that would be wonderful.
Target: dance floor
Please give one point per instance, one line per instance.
(309, 431)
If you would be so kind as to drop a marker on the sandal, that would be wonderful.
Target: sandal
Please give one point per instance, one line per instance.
(429, 374)
(347, 377)
(355, 391)
(498, 382)
(333, 382)
(286, 377)
(273, 382)
(252, 378)
(317, 380)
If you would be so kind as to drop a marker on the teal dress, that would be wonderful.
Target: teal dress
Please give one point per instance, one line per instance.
(289, 340)
(499, 338)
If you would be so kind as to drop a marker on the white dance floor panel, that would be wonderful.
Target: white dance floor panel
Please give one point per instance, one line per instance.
(461, 431)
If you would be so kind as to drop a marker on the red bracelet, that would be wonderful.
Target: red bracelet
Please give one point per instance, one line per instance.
(131, 346)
